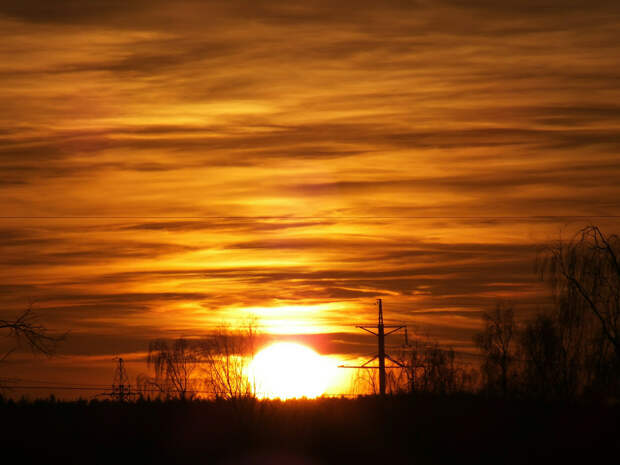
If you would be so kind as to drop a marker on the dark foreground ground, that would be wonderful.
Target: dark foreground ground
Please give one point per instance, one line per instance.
(421, 430)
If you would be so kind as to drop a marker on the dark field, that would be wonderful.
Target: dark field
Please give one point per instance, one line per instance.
(326, 431)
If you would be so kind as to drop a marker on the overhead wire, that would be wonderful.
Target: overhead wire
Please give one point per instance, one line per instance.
(309, 217)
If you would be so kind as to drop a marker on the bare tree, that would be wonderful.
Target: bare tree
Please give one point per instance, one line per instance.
(366, 381)
(26, 327)
(497, 343)
(216, 365)
(227, 355)
(175, 366)
(587, 269)
(431, 368)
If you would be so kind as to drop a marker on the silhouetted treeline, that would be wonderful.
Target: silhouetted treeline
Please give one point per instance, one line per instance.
(421, 429)
(572, 350)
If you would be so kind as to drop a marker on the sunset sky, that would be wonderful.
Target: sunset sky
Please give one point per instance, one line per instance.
(169, 167)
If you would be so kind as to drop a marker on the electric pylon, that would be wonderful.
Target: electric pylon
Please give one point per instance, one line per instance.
(381, 354)
(121, 389)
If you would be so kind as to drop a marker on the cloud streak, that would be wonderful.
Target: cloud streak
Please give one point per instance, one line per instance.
(417, 151)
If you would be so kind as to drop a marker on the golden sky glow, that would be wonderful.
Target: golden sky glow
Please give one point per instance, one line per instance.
(200, 163)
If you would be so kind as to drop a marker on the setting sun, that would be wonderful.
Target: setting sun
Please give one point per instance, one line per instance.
(287, 370)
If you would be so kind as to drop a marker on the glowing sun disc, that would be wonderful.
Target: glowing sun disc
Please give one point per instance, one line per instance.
(286, 370)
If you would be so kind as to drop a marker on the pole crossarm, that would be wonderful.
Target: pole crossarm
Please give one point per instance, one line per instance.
(396, 328)
(374, 358)
(367, 330)
(373, 367)
(365, 365)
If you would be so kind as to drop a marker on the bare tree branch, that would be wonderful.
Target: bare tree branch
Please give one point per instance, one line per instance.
(27, 328)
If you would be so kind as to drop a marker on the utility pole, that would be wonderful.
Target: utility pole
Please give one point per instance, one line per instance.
(379, 332)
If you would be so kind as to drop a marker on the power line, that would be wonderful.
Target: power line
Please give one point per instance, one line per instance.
(275, 217)
(48, 382)
(52, 386)
(199, 391)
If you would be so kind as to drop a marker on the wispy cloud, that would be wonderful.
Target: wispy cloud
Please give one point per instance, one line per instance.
(304, 140)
